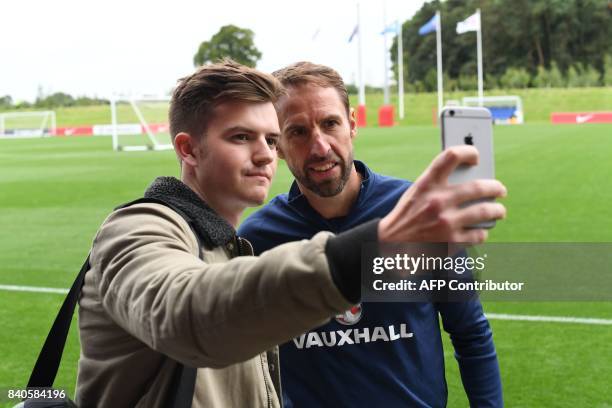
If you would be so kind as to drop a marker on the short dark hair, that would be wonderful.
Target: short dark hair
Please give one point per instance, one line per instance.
(304, 72)
(196, 96)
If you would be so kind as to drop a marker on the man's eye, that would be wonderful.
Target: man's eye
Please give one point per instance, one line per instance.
(241, 137)
(331, 123)
(272, 141)
(296, 132)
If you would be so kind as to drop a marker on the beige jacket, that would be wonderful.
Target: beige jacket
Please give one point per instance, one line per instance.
(149, 296)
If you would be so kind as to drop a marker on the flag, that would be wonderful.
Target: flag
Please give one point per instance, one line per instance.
(316, 34)
(354, 33)
(392, 28)
(472, 23)
(430, 26)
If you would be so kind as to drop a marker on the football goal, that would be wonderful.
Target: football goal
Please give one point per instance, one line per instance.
(27, 124)
(505, 110)
(140, 123)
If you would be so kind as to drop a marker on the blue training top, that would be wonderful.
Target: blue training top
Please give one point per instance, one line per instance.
(376, 354)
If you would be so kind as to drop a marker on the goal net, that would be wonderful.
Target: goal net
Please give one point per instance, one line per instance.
(505, 110)
(27, 124)
(140, 123)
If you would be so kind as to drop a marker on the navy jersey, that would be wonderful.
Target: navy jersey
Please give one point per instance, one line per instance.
(376, 354)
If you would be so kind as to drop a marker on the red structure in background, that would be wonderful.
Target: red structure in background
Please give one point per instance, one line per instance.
(74, 131)
(385, 116)
(361, 116)
(580, 117)
(101, 130)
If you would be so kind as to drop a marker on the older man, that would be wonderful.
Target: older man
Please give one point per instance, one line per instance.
(393, 355)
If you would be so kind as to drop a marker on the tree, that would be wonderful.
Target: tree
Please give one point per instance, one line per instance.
(607, 79)
(55, 100)
(6, 102)
(515, 78)
(540, 36)
(549, 78)
(231, 41)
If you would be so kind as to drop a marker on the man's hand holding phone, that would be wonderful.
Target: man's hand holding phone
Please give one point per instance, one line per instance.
(431, 209)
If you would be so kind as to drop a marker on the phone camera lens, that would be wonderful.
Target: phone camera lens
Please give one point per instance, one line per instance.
(452, 113)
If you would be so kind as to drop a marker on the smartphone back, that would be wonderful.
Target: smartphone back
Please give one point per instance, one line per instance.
(470, 126)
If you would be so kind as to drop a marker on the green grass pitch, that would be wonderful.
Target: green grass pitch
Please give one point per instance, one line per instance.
(56, 191)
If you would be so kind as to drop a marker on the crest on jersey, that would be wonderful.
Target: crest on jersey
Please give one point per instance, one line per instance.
(351, 316)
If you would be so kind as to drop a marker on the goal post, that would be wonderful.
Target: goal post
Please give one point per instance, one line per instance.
(505, 110)
(140, 123)
(27, 124)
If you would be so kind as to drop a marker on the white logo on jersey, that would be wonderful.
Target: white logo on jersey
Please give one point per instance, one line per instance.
(351, 336)
(351, 316)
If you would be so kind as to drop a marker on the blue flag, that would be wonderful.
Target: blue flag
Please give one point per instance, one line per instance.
(391, 28)
(430, 26)
(354, 33)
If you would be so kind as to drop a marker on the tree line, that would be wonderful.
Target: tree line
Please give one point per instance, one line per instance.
(526, 43)
(55, 100)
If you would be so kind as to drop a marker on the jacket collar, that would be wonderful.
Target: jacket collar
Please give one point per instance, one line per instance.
(210, 227)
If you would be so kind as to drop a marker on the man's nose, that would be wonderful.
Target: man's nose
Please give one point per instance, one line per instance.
(320, 145)
(263, 153)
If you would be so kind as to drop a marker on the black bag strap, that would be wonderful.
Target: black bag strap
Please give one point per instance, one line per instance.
(182, 387)
(47, 364)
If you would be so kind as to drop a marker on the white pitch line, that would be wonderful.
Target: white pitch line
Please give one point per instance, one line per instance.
(549, 319)
(14, 288)
(490, 316)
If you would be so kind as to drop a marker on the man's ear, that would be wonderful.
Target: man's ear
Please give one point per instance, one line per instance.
(353, 123)
(186, 149)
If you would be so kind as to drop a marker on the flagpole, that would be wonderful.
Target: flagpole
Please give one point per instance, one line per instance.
(386, 67)
(439, 52)
(400, 72)
(359, 62)
(479, 52)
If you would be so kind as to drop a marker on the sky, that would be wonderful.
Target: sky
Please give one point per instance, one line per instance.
(105, 47)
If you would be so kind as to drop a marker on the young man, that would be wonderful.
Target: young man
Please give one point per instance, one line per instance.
(376, 354)
(154, 298)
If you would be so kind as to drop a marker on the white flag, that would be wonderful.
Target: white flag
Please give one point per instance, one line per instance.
(472, 23)
(316, 34)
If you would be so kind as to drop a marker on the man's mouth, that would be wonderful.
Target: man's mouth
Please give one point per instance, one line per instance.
(260, 175)
(323, 167)
(323, 171)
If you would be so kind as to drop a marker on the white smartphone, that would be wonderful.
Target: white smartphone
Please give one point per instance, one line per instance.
(470, 126)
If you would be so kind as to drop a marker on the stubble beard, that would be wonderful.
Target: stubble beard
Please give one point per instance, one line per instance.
(327, 188)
